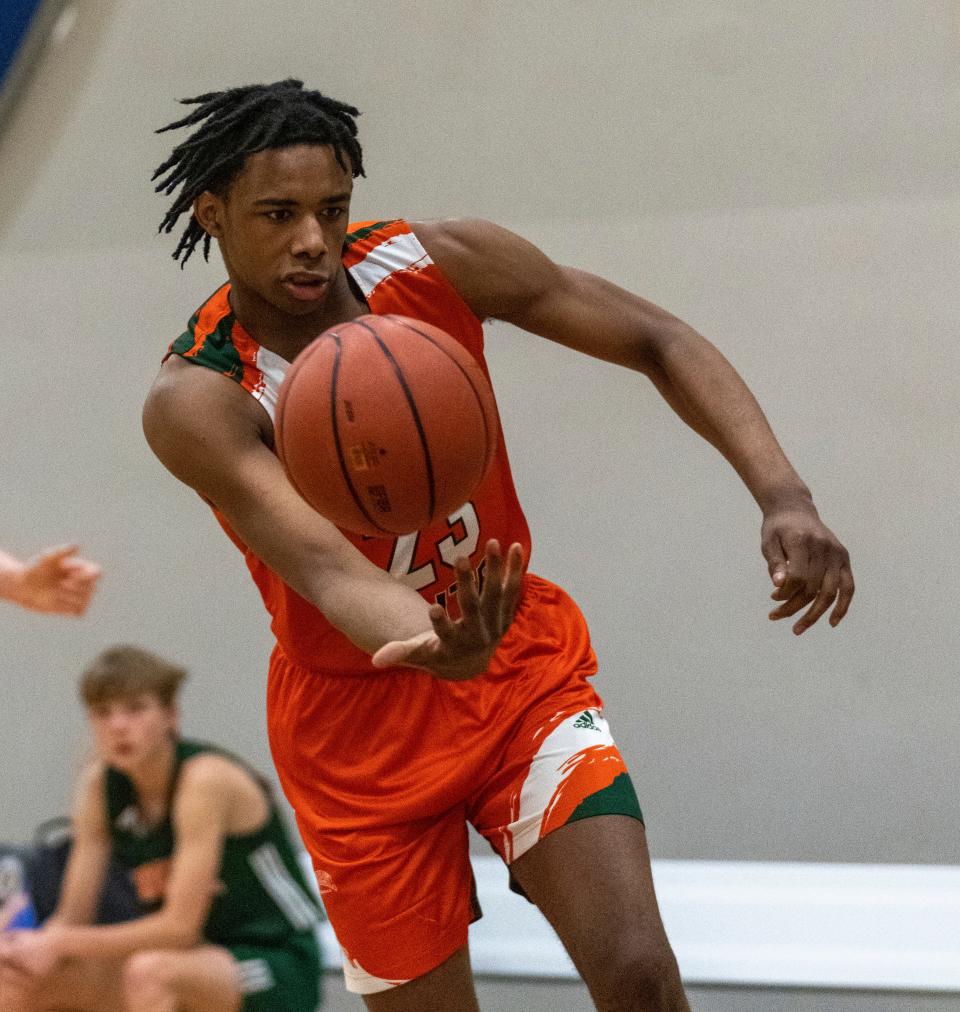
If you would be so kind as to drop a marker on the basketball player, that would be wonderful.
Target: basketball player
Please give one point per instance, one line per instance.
(453, 719)
(228, 922)
(57, 581)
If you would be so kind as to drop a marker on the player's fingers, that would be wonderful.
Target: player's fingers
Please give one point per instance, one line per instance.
(844, 596)
(408, 652)
(825, 597)
(444, 627)
(797, 567)
(467, 595)
(81, 569)
(791, 607)
(776, 561)
(512, 584)
(55, 555)
(492, 593)
(817, 559)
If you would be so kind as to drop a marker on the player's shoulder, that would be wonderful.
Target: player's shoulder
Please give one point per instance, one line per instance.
(215, 771)
(462, 233)
(215, 788)
(493, 268)
(182, 401)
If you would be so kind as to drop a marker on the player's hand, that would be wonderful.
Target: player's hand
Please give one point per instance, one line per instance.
(807, 564)
(458, 649)
(32, 953)
(56, 582)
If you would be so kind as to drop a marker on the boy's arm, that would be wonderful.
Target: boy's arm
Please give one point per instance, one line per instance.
(201, 810)
(213, 436)
(86, 868)
(503, 276)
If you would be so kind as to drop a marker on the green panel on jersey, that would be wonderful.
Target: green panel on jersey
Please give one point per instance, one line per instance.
(619, 798)
(361, 233)
(185, 341)
(218, 351)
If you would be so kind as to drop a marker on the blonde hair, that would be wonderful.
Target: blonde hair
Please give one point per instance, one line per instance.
(122, 671)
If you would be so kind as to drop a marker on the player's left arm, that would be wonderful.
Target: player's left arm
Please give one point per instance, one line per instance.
(201, 810)
(502, 276)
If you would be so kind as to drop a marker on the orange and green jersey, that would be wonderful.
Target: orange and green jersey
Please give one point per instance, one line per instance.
(395, 275)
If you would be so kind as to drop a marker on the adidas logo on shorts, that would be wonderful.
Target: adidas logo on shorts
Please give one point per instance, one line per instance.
(586, 720)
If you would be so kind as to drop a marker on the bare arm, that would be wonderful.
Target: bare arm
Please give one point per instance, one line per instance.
(89, 854)
(503, 276)
(213, 437)
(205, 801)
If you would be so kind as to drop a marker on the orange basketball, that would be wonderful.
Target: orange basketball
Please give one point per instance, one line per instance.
(385, 424)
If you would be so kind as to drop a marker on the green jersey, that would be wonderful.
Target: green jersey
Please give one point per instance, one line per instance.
(262, 899)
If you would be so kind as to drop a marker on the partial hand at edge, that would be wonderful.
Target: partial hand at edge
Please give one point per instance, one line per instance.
(57, 582)
(458, 649)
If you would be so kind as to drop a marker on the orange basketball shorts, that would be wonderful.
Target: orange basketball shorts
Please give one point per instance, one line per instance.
(385, 770)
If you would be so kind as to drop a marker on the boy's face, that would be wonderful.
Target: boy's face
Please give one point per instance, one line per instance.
(132, 730)
(281, 226)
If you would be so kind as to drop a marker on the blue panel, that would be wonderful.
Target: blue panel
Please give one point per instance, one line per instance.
(16, 16)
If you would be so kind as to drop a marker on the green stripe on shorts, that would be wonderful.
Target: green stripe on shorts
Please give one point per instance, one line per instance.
(619, 798)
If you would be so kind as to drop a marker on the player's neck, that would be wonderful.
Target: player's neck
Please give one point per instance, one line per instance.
(153, 777)
(288, 335)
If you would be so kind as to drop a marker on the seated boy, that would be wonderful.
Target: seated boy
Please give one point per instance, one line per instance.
(228, 921)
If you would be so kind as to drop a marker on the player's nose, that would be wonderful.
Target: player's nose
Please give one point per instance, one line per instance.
(308, 240)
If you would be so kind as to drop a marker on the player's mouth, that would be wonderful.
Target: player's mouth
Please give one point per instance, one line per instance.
(305, 286)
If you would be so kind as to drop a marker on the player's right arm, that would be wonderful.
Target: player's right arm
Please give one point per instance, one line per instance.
(89, 854)
(215, 438)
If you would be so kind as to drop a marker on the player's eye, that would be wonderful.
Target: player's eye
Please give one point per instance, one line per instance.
(278, 214)
(332, 213)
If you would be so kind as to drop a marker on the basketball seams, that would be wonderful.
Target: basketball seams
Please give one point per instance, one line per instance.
(414, 413)
(490, 447)
(301, 360)
(334, 377)
(391, 387)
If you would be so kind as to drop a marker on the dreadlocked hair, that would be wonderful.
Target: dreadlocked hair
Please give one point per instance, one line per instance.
(236, 123)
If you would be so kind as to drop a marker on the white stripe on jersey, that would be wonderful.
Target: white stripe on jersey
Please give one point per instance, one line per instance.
(275, 877)
(272, 368)
(398, 253)
(255, 976)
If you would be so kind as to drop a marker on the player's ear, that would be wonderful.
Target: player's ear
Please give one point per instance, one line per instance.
(208, 210)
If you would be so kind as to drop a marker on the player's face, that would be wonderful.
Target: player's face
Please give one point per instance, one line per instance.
(281, 226)
(131, 731)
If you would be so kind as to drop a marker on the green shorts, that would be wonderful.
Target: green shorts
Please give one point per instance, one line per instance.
(280, 978)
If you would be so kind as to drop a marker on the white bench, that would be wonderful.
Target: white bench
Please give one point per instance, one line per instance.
(756, 923)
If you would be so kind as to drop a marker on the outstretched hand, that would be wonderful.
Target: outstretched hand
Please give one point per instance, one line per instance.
(807, 564)
(458, 649)
(56, 582)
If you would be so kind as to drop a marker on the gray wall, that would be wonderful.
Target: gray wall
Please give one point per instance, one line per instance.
(781, 176)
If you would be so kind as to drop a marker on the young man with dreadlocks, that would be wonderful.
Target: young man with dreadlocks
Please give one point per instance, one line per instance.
(489, 718)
